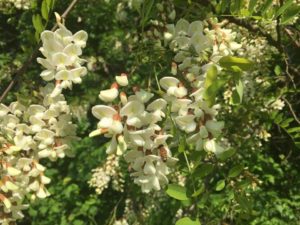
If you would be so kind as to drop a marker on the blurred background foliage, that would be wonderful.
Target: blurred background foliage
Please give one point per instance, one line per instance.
(265, 191)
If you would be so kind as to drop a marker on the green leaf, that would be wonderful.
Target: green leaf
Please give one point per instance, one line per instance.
(176, 191)
(244, 202)
(210, 85)
(235, 171)
(33, 5)
(235, 6)
(265, 6)
(293, 130)
(229, 61)
(245, 12)
(297, 144)
(224, 5)
(146, 10)
(211, 76)
(203, 170)
(238, 93)
(227, 154)
(50, 4)
(220, 185)
(286, 122)
(277, 70)
(282, 9)
(187, 221)
(252, 5)
(290, 14)
(278, 119)
(45, 10)
(37, 23)
(199, 191)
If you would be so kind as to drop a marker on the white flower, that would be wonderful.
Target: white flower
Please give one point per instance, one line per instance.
(122, 80)
(109, 120)
(212, 146)
(123, 98)
(214, 127)
(46, 137)
(278, 104)
(182, 27)
(132, 110)
(173, 86)
(195, 27)
(142, 96)
(186, 123)
(157, 107)
(80, 38)
(110, 94)
(3, 110)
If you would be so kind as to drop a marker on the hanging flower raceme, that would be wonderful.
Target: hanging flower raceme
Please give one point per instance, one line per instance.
(133, 126)
(192, 115)
(196, 49)
(28, 134)
(62, 51)
(110, 171)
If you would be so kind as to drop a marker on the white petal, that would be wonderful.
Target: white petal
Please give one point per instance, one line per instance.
(167, 82)
(180, 92)
(117, 127)
(63, 75)
(132, 108)
(109, 95)
(105, 122)
(72, 50)
(112, 146)
(61, 59)
(122, 80)
(47, 75)
(80, 38)
(195, 27)
(149, 168)
(13, 171)
(182, 27)
(100, 111)
(157, 105)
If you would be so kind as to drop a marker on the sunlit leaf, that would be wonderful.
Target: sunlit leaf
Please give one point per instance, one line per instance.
(176, 191)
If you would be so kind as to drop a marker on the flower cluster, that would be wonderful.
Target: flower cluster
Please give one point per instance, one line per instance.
(133, 124)
(62, 62)
(19, 4)
(193, 116)
(142, 127)
(29, 134)
(103, 175)
(197, 49)
(195, 45)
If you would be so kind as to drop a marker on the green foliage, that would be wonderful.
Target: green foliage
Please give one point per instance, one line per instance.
(177, 192)
(187, 221)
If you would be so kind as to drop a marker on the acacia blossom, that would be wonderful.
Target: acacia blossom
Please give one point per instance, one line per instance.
(133, 126)
(30, 133)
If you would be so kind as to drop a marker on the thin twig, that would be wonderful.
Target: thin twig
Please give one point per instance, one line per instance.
(26, 65)
(290, 35)
(291, 110)
(288, 72)
(255, 29)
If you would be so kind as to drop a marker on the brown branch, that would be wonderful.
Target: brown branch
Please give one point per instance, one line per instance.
(26, 65)
(290, 35)
(287, 67)
(291, 110)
